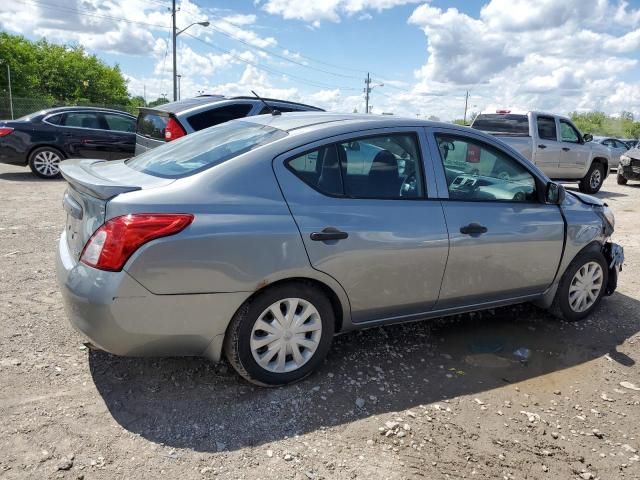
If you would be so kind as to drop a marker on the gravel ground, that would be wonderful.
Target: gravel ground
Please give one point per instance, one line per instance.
(440, 399)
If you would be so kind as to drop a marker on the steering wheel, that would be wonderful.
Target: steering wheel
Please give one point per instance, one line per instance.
(409, 187)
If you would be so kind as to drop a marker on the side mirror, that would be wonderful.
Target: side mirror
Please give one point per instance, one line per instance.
(555, 193)
(587, 137)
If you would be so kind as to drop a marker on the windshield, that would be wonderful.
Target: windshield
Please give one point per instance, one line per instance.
(205, 149)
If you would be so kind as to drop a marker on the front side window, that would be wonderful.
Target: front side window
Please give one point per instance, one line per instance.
(202, 150)
(547, 128)
(120, 123)
(478, 172)
(378, 167)
(568, 133)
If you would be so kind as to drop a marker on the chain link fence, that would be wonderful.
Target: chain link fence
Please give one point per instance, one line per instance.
(23, 106)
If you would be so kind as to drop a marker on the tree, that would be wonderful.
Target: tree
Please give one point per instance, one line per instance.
(158, 101)
(61, 72)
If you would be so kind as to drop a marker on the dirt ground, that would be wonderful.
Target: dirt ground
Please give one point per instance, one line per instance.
(444, 399)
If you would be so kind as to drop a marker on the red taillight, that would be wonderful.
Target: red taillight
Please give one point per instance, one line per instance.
(173, 130)
(113, 243)
(503, 112)
(4, 131)
(473, 153)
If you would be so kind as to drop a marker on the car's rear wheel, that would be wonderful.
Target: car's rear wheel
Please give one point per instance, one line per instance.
(582, 286)
(593, 180)
(44, 162)
(621, 179)
(281, 335)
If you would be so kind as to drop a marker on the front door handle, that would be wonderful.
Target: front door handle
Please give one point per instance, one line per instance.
(542, 146)
(473, 229)
(566, 149)
(329, 233)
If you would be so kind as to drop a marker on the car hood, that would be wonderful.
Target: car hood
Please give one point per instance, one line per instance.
(587, 199)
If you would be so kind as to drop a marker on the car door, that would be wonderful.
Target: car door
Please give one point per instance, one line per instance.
(548, 150)
(122, 133)
(85, 135)
(575, 153)
(504, 243)
(619, 148)
(376, 230)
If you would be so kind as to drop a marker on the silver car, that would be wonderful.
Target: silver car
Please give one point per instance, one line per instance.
(616, 147)
(260, 239)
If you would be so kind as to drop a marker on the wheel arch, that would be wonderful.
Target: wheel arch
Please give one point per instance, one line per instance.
(43, 145)
(604, 161)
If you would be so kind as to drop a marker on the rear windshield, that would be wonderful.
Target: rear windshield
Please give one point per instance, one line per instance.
(151, 125)
(502, 123)
(207, 148)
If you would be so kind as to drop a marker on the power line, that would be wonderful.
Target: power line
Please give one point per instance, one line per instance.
(303, 80)
(89, 13)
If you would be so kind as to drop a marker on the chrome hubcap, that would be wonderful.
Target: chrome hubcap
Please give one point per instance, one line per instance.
(47, 163)
(286, 335)
(596, 178)
(585, 287)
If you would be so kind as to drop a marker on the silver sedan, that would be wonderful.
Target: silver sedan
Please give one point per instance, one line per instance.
(260, 239)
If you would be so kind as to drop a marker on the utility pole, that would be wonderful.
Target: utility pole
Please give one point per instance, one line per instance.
(174, 35)
(179, 92)
(466, 103)
(367, 92)
(144, 94)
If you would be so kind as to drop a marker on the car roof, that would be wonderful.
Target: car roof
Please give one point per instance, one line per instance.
(49, 111)
(189, 103)
(299, 120)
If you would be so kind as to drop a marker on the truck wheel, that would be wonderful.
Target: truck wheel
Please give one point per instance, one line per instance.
(593, 180)
(581, 287)
(281, 335)
(621, 180)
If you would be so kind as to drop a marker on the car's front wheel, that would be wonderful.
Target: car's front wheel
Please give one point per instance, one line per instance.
(582, 286)
(621, 179)
(593, 180)
(281, 335)
(44, 162)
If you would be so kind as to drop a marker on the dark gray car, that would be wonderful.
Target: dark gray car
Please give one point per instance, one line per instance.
(261, 238)
(170, 121)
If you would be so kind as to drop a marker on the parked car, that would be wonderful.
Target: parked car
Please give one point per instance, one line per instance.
(616, 146)
(629, 168)
(553, 143)
(261, 238)
(170, 121)
(43, 139)
(631, 143)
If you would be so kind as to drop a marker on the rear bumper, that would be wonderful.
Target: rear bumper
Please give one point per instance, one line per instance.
(120, 316)
(8, 154)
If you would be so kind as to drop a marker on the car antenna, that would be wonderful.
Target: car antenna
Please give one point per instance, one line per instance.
(273, 111)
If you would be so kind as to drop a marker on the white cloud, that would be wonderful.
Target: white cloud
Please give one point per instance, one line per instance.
(316, 11)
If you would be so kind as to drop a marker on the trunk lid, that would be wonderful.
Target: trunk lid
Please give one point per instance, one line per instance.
(92, 183)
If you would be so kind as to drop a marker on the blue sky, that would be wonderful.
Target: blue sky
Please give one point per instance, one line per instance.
(526, 54)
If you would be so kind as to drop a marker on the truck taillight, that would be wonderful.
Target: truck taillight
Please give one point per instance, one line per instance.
(173, 130)
(4, 131)
(113, 243)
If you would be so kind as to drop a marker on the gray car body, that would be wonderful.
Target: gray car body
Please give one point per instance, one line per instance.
(616, 147)
(177, 295)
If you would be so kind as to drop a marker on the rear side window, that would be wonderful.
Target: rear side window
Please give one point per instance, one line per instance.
(547, 128)
(81, 120)
(201, 150)
(502, 123)
(120, 123)
(216, 116)
(151, 125)
(54, 119)
(380, 167)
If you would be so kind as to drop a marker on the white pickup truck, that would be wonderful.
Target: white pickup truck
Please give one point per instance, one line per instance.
(553, 143)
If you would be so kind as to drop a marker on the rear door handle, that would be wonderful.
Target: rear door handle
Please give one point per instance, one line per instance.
(566, 149)
(473, 229)
(329, 233)
(542, 146)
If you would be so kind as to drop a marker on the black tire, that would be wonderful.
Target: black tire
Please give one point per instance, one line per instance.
(593, 180)
(44, 162)
(561, 304)
(621, 180)
(237, 346)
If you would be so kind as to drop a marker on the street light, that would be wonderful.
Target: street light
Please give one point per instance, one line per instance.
(177, 32)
